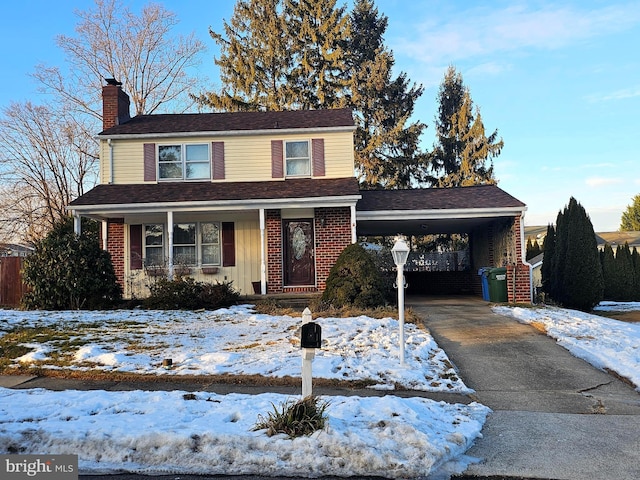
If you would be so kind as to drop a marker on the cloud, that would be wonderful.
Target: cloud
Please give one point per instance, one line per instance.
(623, 94)
(484, 31)
(602, 181)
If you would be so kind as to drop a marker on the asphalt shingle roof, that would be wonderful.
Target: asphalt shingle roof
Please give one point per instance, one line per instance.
(169, 192)
(479, 196)
(235, 121)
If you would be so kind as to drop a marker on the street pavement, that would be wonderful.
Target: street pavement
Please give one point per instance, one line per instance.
(554, 415)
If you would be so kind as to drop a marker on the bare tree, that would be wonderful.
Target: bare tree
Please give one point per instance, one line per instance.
(138, 50)
(48, 153)
(46, 160)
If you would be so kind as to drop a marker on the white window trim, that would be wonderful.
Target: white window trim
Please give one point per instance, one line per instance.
(183, 158)
(198, 244)
(308, 158)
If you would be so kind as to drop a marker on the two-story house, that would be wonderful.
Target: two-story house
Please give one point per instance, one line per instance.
(267, 200)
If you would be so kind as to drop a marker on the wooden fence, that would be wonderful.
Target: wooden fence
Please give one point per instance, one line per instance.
(11, 286)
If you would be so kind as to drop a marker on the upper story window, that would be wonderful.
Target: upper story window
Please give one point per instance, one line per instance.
(184, 162)
(297, 159)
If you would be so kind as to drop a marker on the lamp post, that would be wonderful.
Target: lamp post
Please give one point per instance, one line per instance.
(400, 252)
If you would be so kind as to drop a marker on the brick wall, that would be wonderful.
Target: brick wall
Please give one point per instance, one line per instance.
(115, 246)
(333, 234)
(274, 251)
(522, 283)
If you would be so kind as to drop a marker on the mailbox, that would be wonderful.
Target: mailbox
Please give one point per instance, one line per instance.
(311, 336)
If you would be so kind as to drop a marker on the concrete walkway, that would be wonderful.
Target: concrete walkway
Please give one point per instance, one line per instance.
(554, 415)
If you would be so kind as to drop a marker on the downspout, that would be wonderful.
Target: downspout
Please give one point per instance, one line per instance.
(105, 226)
(110, 161)
(77, 223)
(263, 269)
(354, 238)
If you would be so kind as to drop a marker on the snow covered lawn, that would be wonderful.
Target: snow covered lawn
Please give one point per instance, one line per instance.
(164, 432)
(236, 341)
(205, 433)
(604, 342)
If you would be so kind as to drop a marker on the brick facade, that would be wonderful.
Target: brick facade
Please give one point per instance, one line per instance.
(332, 234)
(518, 275)
(115, 247)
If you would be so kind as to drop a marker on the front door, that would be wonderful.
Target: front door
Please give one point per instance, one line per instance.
(299, 253)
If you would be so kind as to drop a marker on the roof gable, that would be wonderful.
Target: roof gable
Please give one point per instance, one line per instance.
(233, 122)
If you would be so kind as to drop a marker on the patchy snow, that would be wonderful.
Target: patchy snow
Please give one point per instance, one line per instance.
(167, 432)
(604, 342)
(238, 341)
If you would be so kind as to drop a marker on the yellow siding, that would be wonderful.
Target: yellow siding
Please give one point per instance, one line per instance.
(247, 158)
(246, 270)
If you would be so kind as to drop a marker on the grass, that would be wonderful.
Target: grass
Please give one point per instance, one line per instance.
(295, 419)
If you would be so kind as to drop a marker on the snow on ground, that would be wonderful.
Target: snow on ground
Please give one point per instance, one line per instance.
(165, 433)
(604, 342)
(168, 432)
(239, 341)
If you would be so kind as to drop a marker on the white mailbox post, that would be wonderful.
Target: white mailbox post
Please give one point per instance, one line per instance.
(310, 339)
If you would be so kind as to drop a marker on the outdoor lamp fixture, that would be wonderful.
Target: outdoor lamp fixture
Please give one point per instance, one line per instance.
(400, 252)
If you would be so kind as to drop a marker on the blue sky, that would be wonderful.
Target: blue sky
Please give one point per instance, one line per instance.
(559, 80)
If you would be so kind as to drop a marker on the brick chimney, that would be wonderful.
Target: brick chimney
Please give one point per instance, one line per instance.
(115, 104)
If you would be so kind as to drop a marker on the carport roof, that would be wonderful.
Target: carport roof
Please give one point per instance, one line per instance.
(433, 210)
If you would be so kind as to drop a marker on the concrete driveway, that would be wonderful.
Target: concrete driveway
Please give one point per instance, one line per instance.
(554, 415)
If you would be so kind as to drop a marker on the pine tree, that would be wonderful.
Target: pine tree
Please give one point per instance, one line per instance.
(295, 54)
(463, 154)
(387, 145)
(255, 61)
(582, 284)
(559, 256)
(548, 248)
(635, 258)
(317, 30)
(631, 217)
(625, 271)
(609, 273)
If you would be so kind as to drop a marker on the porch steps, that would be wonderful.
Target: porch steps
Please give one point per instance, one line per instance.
(285, 300)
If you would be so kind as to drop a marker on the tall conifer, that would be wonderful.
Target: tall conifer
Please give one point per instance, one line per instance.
(547, 263)
(609, 274)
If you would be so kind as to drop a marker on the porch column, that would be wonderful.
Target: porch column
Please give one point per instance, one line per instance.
(354, 238)
(263, 264)
(105, 229)
(170, 243)
(77, 224)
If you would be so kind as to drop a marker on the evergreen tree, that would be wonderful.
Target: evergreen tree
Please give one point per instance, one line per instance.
(559, 256)
(387, 145)
(635, 258)
(255, 61)
(533, 249)
(317, 30)
(625, 272)
(463, 154)
(582, 285)
(548, 248)
(294, 54)
(631, 217)
(609, 273)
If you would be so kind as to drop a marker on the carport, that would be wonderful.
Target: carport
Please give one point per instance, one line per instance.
(492, 219)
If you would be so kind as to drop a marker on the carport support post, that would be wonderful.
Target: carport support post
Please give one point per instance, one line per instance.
(307, 359)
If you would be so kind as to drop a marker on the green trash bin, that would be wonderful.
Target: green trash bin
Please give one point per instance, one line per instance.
(498, 285)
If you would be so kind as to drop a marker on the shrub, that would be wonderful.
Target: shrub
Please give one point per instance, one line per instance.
(69, 271)
(355, 280)
(186, 293)
(295, 419)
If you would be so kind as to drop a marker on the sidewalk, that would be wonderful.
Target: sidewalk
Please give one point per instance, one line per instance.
(554, 415)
